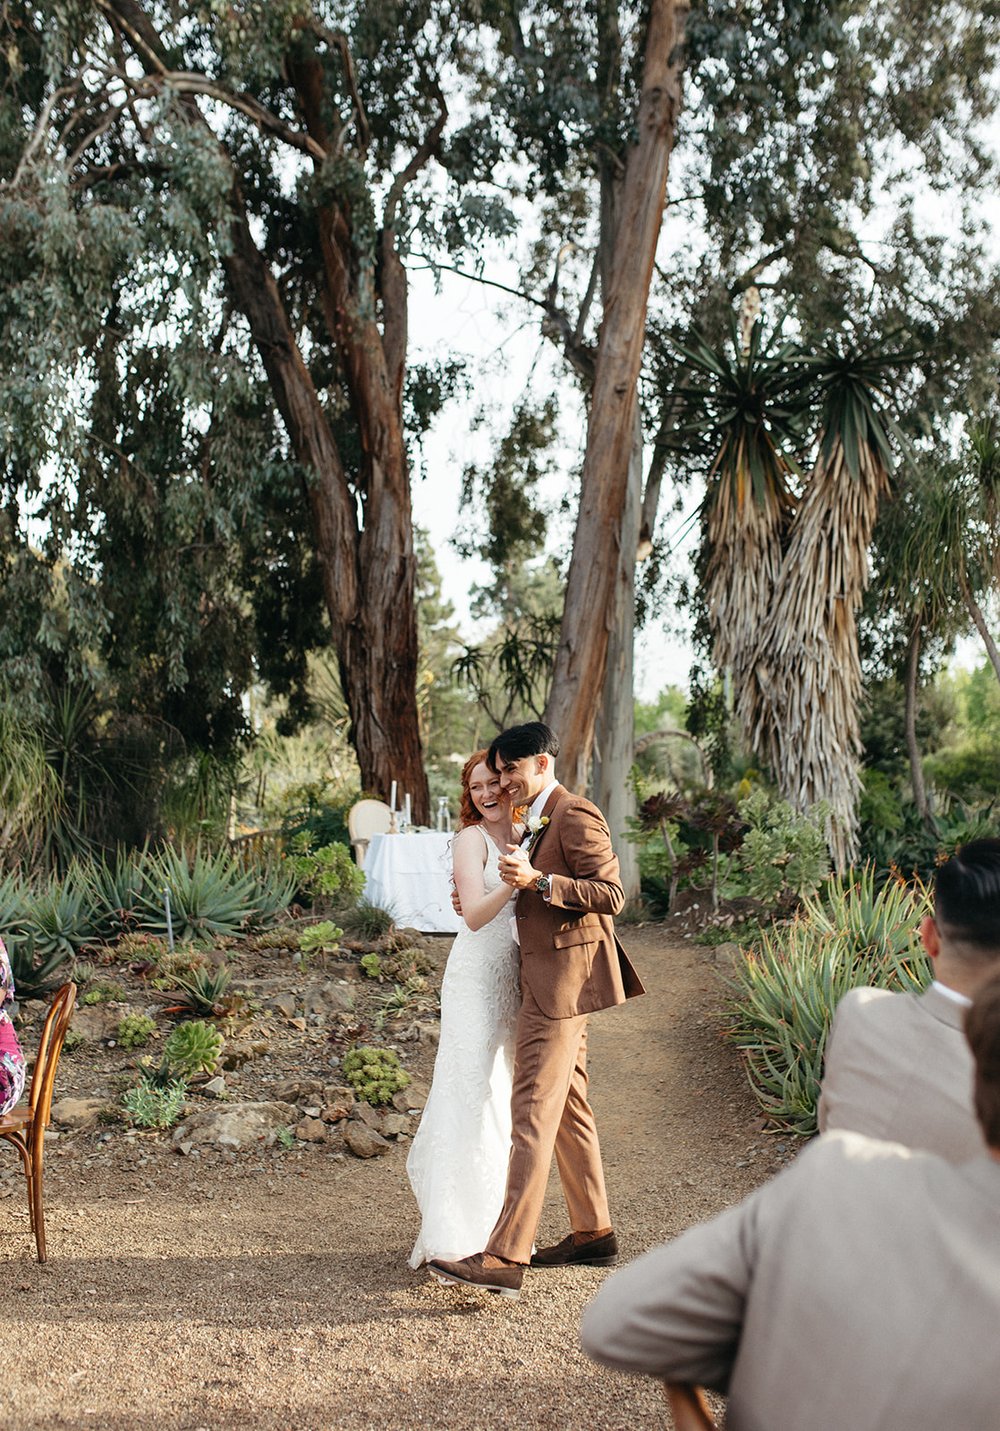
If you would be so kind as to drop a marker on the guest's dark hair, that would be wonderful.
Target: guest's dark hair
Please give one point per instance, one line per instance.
(982, 1029)
(532, 738)
(967, 899)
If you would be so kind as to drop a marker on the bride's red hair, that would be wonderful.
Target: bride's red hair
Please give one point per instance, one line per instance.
(467, 812)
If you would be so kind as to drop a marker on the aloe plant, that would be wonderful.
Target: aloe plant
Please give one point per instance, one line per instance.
(13, 893)
(203, 990)
(785, 990)
(114, 889)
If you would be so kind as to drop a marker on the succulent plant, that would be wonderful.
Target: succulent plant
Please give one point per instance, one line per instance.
(193, 1047)
(149, 1105)
(135, 1030)
(374, 1073)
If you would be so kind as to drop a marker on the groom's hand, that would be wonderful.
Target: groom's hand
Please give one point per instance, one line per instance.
(516, 869)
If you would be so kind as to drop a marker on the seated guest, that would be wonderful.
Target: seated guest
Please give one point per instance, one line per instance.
(11, 1057)
(858, 1289)
(897, 1065)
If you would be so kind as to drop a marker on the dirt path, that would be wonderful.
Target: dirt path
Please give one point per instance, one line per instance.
(274, 1293)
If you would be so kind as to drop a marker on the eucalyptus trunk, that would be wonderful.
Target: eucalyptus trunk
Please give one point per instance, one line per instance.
(910, 720)
(599, 543)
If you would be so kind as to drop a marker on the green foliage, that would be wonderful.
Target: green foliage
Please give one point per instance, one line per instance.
(285, 1138)
(969, 771)
(371, 964)
(114, 891)
(193, 1047)
(328, 873)
(104, 992)
(782, 855)
(319, 938)
(786, 987)
(135, 1030)
(374, 1074)
(148, 1105)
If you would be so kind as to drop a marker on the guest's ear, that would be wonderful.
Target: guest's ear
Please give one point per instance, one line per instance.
(930, 936)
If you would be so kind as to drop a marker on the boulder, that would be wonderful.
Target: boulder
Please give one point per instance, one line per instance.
(95, 1022)
(77, 1112)
(338, 1103)
(311, 1130)
(364, 1142)
(236, 1125)
(393, 1124)
(332, 998)
(297, 1090)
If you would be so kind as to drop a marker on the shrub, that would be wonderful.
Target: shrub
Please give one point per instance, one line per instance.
(135, 1030)
(193, 1047)
(328, 873)
(149, 1106)
(783, 855)
(785, 990)
(374, 1074)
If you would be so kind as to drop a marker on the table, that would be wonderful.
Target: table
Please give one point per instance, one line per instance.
(410, 875)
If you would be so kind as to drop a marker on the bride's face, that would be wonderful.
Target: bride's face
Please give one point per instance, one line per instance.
(488, 798)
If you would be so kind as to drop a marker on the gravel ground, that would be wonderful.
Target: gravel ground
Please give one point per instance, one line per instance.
(271, 1291)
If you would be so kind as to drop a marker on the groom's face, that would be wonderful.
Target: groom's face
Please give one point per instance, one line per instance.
(523, 779)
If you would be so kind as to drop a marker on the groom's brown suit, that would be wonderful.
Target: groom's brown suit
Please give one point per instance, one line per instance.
(571, 965)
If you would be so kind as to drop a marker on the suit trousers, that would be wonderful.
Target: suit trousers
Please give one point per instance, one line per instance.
(550, 1113)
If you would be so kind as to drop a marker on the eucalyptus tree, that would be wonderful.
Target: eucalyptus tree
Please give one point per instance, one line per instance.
(204, 211)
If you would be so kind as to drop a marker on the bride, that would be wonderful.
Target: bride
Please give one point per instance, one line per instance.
(458, 1160)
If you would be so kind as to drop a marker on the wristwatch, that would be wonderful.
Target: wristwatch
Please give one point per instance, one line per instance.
(543, 884)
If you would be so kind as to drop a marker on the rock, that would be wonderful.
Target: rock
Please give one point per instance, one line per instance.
(283, 1004)
(215, 1087)
(237, 1053)
(727, 956)
(364, 1113)
(430, 1034)
(393, 1124)
(184, 1147)
(237, 1125)
(77, 1112)
(311, 1130)
(331, 998)
(411, 1098)
(94, 1022)
(297, 1090)
(364, 1142)
(338, 1103)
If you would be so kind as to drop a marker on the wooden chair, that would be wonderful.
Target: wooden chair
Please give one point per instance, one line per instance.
(689, 1407)
(25, 1125)
(364, 819)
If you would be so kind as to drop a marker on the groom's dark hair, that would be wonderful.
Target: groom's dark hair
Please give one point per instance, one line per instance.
(532, 738)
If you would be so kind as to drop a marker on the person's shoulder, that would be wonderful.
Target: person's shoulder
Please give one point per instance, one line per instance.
(572, 804)
(470, 837)
(867, 1003)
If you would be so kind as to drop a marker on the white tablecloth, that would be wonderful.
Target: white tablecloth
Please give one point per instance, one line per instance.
(410, 875)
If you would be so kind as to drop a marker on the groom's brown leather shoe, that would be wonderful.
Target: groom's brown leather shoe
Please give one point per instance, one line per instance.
(598, 1252)
(472, 1272)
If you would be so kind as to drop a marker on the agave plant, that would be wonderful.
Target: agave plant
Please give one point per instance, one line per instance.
(115, 892)
(785, 990)
(34, 976)
(203, 991)
(57, 917)
(209, 894)
(13, 893)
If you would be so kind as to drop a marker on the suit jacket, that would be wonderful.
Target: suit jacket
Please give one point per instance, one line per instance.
(571, 959)
(859, 1289)
(898, 1067)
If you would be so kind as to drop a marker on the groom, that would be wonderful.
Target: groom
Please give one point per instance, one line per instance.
(568, 887)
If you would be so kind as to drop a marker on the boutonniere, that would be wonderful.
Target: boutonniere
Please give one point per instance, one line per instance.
(533, 832)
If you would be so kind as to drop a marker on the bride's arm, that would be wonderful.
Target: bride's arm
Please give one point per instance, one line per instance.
(479, 905)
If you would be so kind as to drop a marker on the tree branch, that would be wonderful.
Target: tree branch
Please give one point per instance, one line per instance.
(417, 161)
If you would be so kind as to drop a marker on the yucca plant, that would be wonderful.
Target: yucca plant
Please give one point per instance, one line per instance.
(785, 990)
(801, 707)
(209, 894)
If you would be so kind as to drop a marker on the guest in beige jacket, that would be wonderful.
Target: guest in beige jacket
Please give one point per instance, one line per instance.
(897, 1066)
(859, 1289)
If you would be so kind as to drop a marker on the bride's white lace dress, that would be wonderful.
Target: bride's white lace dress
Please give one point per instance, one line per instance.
(458, 1160)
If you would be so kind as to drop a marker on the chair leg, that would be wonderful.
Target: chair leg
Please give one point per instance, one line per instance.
(37, 1207)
